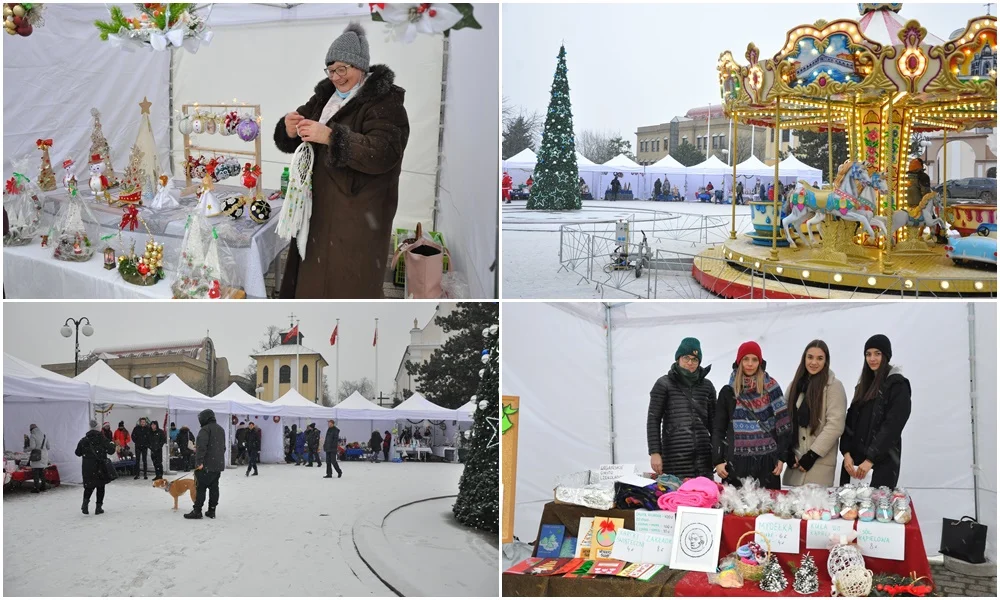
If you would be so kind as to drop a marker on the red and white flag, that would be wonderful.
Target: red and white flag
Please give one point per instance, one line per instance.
(291, 335)
(375, 341)
(333, 337)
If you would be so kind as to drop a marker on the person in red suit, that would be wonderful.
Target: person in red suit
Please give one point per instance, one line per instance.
(505, 186)
(530, 182)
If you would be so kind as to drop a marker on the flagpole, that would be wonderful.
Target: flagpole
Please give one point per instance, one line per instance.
(336, 390)
(298, 373)
(376, 358)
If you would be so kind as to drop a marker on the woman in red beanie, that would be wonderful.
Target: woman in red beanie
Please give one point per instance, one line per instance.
(750, 437)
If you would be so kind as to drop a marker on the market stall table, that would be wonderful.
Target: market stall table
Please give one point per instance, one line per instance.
(669, 582)
(448, 453)
(23, 475)
(419, 451)
(31, 272)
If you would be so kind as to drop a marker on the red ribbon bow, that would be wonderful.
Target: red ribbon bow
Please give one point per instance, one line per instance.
(373, 5)
(607, 526)
(12, 186)
(130, 219)
(43, 143)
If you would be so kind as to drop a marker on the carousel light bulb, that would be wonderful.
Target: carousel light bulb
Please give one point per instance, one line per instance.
(978, 285)
(945, 285)
(805, 274)
(838, 277)
(780, 270)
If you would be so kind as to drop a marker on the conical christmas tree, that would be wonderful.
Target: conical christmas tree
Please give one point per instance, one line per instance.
(806, 578)
(46, 177)
(131, 187)
(557, 177)
(774, 578)
(99, 145)
(478, 503)
(147, 143)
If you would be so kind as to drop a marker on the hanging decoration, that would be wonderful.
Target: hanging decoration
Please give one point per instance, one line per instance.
(22, 18)
(158, 27)
(405, 21)
(293, 222)
(247, 129)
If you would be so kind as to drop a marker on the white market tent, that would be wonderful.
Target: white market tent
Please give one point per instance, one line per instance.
(664, 169)
(295, 404)
(417, 407)
(247, 408)
(521, 166)
(357, 417)
(60, 406)
(451, 105)
(633, 176)
(754, 167)
(583, 161)
(186, 403)
(585, 408)
(700, 175)
(112, 388)
(795, 168)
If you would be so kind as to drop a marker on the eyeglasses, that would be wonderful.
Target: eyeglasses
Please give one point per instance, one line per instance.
(689, 359)
(339, 71)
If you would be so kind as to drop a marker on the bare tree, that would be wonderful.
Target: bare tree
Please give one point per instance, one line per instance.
(363, 385)
(595, 145)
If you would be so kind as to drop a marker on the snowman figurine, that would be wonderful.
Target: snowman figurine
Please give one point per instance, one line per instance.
(69, 178)
(98, 182)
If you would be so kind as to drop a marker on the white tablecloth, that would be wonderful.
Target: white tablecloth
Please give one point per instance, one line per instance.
(31, 272)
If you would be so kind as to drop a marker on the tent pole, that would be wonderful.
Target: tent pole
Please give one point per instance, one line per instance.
(611, 392)
(973, 393)
(440, 154)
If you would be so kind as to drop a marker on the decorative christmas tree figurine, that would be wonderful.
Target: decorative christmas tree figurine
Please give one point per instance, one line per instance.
(773, 579)
(557, 178)
(806, 578)
(131, 185)
(477, 504)
(98, 180)
(46, 177)
(144, 141)
(99, 145)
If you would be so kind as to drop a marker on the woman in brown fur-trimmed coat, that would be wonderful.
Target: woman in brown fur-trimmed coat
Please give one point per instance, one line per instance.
(358, 127)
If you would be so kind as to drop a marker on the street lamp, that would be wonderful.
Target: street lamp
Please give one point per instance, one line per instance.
(66, 331)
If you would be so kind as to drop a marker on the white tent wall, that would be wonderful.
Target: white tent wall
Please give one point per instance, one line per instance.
(277, 65)
(51, 83)
(272, 441)
(986, 418)
(63, 424)
(190, 419)
(470, 182)
(360, 430)
(556, 362)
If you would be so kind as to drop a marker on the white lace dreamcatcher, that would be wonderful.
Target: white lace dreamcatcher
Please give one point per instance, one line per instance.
(295, 213)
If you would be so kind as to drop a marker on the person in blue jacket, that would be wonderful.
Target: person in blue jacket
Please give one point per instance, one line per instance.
(300, 448)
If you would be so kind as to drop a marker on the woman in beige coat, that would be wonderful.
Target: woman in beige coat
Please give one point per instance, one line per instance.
(819, 409)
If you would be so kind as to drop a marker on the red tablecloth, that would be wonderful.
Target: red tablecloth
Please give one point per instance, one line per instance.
(23, 475)
(696, 584)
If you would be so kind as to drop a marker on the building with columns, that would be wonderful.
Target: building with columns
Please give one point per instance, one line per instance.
(277, 371)
(423, 342)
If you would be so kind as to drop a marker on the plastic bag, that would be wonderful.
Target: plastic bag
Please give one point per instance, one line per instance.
(454, 286)
(206, 268)
(727, 576)
(23, 207)
(76, 231)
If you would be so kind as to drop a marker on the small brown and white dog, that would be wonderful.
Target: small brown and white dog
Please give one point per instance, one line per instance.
(177, 488)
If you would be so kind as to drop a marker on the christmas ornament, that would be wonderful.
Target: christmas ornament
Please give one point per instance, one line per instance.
(73, 237)
(260, 210)
(483, 404)
(99, 145)
(158, 26)
(844, 556)
(297, 209)
(98, 181)
(806, 577)
(247, 129)
(468, 434)
(69, 178)
(405, 21)
(133, 179)
(22, 207)
(149, 159)
(773, 580)
(473, 398)
(210, 124)
(21, 19)
(46, 178)
(486, 332)
(208, 204)
(184, 125)
(234, 206)
(197, 123)
(199, 271)
(494, 329)
(485, 356)
(250, 175)
(230, 122)
(481, 372)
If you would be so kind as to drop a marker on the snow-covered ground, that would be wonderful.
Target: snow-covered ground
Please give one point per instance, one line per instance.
(530, 247)
(287, 532)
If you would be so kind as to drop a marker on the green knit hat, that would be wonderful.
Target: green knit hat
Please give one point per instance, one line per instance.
(689, 346)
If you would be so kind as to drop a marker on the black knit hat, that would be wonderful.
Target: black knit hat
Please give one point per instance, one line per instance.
(880, 343)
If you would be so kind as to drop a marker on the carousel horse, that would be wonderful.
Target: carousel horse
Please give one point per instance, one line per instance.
(845, 201)
(922, 215)
(794, 206)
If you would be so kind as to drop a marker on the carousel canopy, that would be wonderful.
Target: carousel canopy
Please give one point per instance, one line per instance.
(884, 24)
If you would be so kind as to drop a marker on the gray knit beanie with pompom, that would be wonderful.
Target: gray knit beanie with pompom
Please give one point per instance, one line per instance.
(351, 48)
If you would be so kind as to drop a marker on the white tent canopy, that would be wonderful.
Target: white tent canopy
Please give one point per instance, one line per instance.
(623, 163)
(583, 161)
(579, 411)
(181, 396)
(525, 159)
(754, 167)
(294, 404)
(793, 167)
(357, 406)
(23, 380)
(710, 166)
(417, 407)
(242, 403)
(112, 388)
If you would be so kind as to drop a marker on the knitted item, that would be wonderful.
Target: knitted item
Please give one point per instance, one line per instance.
(748, 348)
(700, 491)
(882, 344)
(351, 48)
(753, 409)
(293, 222)
(689, 346)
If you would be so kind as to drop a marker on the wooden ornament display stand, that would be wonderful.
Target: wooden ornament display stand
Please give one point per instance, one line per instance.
(508, 448)
(191, 186)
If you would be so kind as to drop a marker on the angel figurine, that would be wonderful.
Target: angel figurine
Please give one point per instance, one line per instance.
(166, 195)
(208, 204)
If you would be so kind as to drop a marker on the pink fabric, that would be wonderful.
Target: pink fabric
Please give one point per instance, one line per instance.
(700, 491)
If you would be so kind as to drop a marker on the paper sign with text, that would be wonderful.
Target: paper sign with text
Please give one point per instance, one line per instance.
(583, 539)
(882, 540)
(614, 472)
(818, 533)
(628, 546)
(657, 549)
(782, 533)
(655, 521)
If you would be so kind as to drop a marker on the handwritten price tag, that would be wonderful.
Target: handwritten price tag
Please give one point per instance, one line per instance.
(614, 472)
(657, 549)
(655, 521)
(782, 533)
(818, 533)
(882, 540)
(628, 546)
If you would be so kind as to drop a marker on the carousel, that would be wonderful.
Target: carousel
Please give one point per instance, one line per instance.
(877, 228)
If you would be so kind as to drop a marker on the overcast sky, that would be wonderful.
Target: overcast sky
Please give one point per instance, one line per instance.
(31, 330)
(632, 65)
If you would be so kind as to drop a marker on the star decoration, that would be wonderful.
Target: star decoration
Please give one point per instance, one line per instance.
(145, 104)
(495, 424)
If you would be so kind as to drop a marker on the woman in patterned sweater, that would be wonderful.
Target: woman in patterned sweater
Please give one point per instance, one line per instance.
(752, 428)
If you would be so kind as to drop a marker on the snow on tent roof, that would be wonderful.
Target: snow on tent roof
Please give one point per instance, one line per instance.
(23, 380)
(754, 166)
(181, 396)
(110, 387)
(712, 166)
(623, 162)
(525, 159)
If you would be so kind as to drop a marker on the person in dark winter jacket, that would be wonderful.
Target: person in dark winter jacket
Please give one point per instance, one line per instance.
(210, 461)
(312, 444)
(94, 448)
(375, 444)
(252, 447)
(331, 444)
(357, 124)
(386, 444)
(184, 440)
(106, 432)
(241, 441)
(157, 439)
(873, 436)
(753, 426)
(680, 417)
(140, 437)
(300, 448)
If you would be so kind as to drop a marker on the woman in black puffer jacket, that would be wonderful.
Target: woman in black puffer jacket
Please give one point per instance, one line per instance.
(681, 412)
